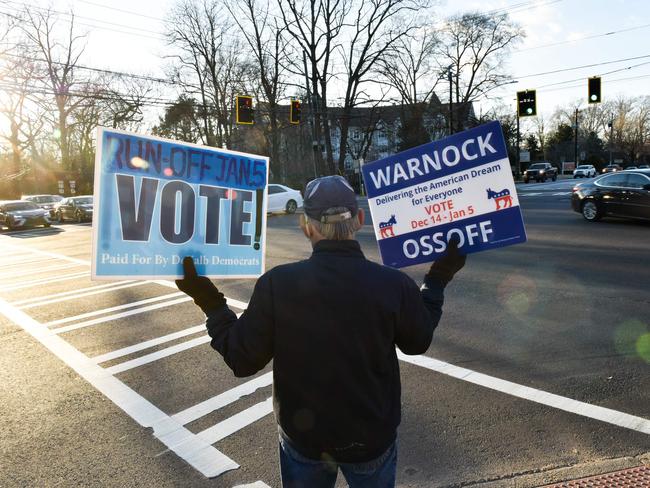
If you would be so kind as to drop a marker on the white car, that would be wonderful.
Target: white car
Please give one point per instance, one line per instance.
(283, 199)
(584, 171)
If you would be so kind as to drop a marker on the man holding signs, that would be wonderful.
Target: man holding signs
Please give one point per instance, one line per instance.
(336, 384)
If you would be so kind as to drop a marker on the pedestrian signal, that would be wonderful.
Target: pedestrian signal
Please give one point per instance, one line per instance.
(244, 109)
(594, 90)
(295, 112)
(526, 103)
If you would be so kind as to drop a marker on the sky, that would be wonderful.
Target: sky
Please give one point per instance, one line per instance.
(127, 36)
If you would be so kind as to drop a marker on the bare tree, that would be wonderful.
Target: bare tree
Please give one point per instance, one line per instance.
(373, 36)
(411, 65)
(17, 83)
(209, 62)
(58, 59)
(473, 47)
(315, 26)
(264, 35)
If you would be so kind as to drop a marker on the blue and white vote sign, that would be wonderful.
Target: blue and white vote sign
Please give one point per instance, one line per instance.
(157, 201)
(460, 186)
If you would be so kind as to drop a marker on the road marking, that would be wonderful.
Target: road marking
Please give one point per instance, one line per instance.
(49, 254)
(257, 484)
(13, 263)
(155, 356)
(237, 422)
(125, 351)
(603, 414)
(73, 295)
(216, 402)
(528, 194)
(104, 311)
(44, 281)
(47, 269)
(116, 316)
(562, 193)
(199, 454)
(163, 353)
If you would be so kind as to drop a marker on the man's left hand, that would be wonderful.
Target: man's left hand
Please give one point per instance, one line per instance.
(201, 289)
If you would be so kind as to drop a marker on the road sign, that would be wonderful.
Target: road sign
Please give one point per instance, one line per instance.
(157, 201)
(524, 156)
(457, 187)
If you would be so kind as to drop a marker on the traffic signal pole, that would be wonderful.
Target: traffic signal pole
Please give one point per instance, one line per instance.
(518, 152)
(451, 101)
(576, 140)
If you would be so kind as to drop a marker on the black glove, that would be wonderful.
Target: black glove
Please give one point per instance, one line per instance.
(200, 288)
(447, 266)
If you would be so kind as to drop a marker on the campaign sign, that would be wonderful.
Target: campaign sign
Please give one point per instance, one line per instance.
(157, 201)
(460, 186)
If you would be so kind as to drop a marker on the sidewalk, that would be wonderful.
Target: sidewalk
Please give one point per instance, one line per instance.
(628, 472)
(638, 477)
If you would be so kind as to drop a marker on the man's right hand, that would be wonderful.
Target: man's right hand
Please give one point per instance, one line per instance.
(200, 288)
(447, 266)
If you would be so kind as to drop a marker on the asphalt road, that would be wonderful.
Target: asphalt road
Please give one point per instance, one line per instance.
(539, 370)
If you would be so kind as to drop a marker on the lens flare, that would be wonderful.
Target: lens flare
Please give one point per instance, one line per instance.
(630, 339)
(643, 347)
(231, 194)
(139, 163)
(168, 172)
(516, 292)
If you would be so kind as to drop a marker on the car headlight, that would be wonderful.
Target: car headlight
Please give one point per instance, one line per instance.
(541, 172)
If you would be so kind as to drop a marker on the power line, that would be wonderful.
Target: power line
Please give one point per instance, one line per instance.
(584, 66)
(121, 10)
(602, 74)
(68, 18)
(611, 33)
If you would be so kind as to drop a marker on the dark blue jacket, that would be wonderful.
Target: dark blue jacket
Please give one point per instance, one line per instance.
(331, 324)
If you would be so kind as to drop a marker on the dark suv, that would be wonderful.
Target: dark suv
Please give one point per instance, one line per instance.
(540, 172)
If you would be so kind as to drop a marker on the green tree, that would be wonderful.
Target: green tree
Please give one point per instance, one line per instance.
(180, 121)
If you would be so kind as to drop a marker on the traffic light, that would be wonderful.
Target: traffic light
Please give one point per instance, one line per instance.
(244, 107)
(295, 112)
(594, 90)
(526, 103)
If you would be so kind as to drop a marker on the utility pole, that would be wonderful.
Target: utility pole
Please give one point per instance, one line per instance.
(576, 140)
(451, 101)
(611, 139)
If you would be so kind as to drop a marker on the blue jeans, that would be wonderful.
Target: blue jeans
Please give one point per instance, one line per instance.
(298, 471)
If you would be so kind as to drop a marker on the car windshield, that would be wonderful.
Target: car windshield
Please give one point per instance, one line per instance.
(584, 167)
(21, 206)
(45, 199)
(83, 201)
(538, 166)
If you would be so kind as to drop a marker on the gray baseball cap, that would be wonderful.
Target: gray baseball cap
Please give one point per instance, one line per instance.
(329, 192)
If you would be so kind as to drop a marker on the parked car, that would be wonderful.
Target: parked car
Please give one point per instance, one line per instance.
(19, 213)
(282, 198)
(540, 172)
(610, 168)
(630, 167)
(585, 171)
(621, 194)
(46, 202)
(644, 166)
(77, 208)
